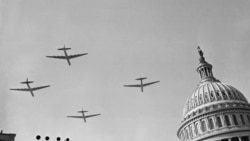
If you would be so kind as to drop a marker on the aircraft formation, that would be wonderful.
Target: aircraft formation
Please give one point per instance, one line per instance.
(68, 57)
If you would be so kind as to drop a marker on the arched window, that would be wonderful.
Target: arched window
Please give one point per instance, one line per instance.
(210, 123)
(235, 120)
(227, 121)
(224, 95)
(191, 131)
(218, 121)
(196, 129)
(206, 97)
(201, 100)
(218, 95)
(242, 119)
(212, 96)
(203, 126)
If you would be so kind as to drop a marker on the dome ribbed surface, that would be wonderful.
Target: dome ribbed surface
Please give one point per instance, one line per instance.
(211, 92)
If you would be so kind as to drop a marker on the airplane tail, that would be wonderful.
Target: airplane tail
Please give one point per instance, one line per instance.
(64, 48)
(82, 111)
(27, 81)
(142, 78)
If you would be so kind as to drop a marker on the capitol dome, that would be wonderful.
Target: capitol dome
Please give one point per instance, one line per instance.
(215, 111)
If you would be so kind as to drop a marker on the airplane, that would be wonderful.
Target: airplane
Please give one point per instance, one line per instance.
(83, 115)
(142, 84)
(66, 56)
(29, 89)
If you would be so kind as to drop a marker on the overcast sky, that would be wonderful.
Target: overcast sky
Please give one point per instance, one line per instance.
(124, 39)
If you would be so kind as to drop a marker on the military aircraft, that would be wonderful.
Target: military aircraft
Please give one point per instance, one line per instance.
(142, 84)
(66, 56)
(83, 115)
(29, 89)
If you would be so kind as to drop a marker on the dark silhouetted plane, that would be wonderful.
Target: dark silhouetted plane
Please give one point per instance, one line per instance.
(142, 84)
(29, 89)
(66, 56)
(83, 115)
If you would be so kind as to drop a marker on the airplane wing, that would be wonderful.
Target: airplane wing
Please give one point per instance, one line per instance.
(146, 84)
(92, 115)
(37, 88)
(75, 116)
(76, 55)
(21, 89)
(57, 57)
(132, 85)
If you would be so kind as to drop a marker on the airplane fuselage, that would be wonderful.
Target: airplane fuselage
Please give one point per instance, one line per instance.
(141, 86)
(83, 116)
(31, 91)
(66, 55)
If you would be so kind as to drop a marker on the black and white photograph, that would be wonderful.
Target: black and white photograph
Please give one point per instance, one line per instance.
(124, 70)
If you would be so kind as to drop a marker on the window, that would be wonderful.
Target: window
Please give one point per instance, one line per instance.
(218, 95)
(196, 129)
(210, 123)
(191, 131)
(212, 96)
(235, 120)
(218, 121)
(201, 101)
(203, 126)
(206, 98)
(242, 119)
(227, 121)
(224, 95)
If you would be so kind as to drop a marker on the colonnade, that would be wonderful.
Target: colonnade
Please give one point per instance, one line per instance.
(243, 138)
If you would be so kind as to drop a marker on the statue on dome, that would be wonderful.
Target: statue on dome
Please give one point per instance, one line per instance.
(202, 59)
(200, 51)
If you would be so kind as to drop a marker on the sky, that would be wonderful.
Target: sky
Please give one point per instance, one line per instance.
(124, 39)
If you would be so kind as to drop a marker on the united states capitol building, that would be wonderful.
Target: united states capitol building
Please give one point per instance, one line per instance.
(215, 111)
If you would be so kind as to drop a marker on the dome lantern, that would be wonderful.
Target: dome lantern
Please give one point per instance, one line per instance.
(204, 69)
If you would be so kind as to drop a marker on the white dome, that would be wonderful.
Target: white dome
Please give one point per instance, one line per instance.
(215, 111)
(211, 92)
